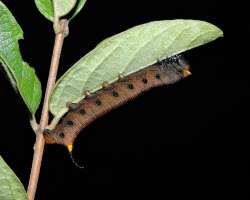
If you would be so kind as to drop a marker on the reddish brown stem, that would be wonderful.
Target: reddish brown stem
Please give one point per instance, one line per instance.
(39, 145)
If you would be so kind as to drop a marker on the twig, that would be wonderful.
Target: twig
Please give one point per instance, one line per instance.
(39, 145)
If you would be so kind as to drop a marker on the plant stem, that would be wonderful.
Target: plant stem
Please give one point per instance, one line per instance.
(39, 144)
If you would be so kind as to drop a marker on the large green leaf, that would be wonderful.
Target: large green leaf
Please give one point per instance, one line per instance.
(21, 75)
(10, 186)
(54, 9)
(127, 53)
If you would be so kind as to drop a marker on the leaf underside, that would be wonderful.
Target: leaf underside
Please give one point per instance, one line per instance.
(62, 7)
(10, 186)
(127, 53)
(20, 74)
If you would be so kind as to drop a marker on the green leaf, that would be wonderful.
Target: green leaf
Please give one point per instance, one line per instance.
(62, 7)
(127, 53)
(21, 75)
(79, 7)
(54, 9)
(46, 8)
(10, 186)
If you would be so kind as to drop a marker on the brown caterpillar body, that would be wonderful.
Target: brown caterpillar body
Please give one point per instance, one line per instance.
(114, 95)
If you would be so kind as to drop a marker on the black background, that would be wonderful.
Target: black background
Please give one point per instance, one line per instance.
(187, 140)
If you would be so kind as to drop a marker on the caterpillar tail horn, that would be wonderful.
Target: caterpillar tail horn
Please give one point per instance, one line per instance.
(70, 149)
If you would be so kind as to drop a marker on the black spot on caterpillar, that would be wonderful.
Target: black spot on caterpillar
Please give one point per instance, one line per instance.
(112, 96)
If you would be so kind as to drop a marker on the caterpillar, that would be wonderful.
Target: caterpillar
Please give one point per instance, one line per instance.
(113, 95)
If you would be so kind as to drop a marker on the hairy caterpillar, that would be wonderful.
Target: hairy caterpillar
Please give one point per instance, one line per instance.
(112, 96)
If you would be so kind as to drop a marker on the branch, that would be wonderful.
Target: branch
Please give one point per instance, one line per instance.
(39, 145)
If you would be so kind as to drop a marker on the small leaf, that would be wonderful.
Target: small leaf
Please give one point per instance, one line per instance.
(127, 53)
(62, 7)
(54, 9)
(80, 5)
(20, 74)
(46, 8)
(10, 186)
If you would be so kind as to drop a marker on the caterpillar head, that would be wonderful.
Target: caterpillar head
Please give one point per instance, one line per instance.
(176, 66)
(186, 71)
